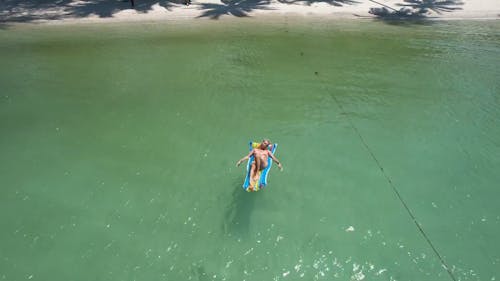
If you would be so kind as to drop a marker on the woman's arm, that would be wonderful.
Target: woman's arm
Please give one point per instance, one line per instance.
(276, 160)
(244, 158)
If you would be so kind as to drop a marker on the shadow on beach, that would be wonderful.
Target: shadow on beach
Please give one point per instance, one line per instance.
(237, 8)
(239, 211)
(414, 11)
(14, 11)
(33, 10)
(337, 3)
(242, 8)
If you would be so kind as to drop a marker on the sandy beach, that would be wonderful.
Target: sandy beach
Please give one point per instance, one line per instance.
(71, 11)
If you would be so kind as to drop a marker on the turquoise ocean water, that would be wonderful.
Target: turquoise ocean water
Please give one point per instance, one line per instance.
(119, 142)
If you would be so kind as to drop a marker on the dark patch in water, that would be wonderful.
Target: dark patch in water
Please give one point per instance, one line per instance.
(239, 211)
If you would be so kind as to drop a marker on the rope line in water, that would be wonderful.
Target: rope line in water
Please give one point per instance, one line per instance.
(443, 263)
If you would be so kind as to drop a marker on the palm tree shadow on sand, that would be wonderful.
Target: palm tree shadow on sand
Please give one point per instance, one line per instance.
(437, 6)
(237, 8)
(239, 211)
(242, 8)
(414, 10)
(30, 10)
(337, 3)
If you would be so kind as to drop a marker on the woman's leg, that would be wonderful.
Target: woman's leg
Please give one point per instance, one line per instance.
(257, 163)
(253, 172)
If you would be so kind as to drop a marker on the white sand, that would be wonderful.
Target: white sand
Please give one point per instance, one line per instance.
(119, 11)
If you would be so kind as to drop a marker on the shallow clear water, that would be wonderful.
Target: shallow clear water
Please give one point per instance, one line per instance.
(118, 147)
